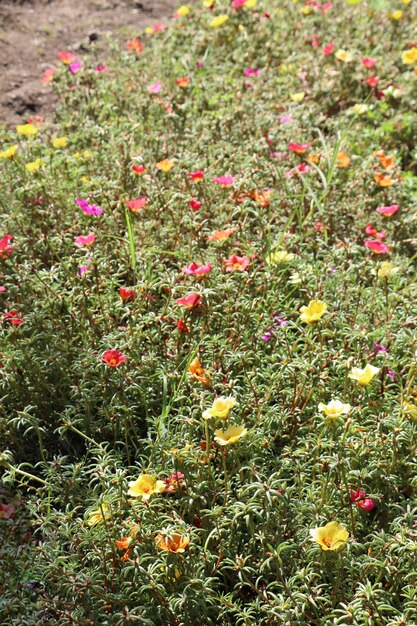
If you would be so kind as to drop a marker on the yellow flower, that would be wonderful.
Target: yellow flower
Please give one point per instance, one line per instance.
(364, 376)
(396, 15)
(250, 4)
(183, 10)
(408, 57)
(172, 543)
(344, 55)
(9, 153)
(164, 165)
(386, 269)
(411, 409)
(298, 97)
(27, 129)
(33, 166)
(208, 3)
(230, 435)
(198, 372)
(221, 408)
(218, 21)
(97, 516)
(145, 486)
(334, 408)
(60, 142)
(333, 536)
(313, 312)
(279, 256)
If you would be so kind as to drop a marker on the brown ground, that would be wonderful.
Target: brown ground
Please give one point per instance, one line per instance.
(32, 31)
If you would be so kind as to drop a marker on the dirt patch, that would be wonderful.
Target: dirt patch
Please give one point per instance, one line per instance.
(32, 31)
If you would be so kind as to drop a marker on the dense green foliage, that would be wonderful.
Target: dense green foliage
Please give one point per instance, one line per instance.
(75, 429)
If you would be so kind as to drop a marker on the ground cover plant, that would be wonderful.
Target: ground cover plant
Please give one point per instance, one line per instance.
(208, 345)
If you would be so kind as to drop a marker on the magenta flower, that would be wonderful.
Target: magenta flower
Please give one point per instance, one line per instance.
(75, 67)
(372, 232)
(85, 240)
(250, 71)
(89, 209)
(101, 68)
(376, 246)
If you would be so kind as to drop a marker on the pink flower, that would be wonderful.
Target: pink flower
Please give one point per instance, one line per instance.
(302, 168)
(285, 119)
(369, 62)
(195, 204)
(154, 88)
(236, 263)
(388, 210)
(101, 68)
(328, 49)
(85, 240)
(197, 270)
(67, 57)
(3, 289)
(48, 75)
(5, 247)
(224, 181)
(83, 269)
(372, 81)
(89, 209)
(191, 301)
(376, 246)
(250, 71)
(372, 232)
(298, 148)
(360, 499)
(138, 204)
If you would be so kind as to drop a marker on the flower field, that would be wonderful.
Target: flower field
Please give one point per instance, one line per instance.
(208, 325)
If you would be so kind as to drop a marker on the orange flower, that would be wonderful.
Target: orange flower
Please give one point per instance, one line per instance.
(172, 543)
(387, 161)
(343, 160)
(236, 263)
(184, 81)
(134, 45)
(198, 372)
(384, 180)
(221, 235)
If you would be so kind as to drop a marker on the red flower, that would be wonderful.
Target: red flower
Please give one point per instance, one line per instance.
(376, 246)
(197, 176)
(327, 50)
(191, 301)
(139, 169)
(138, 204)
(195, 204)
(236, 263)
(360, 499)
(114, 358)
(15, 318)
(183, 81)
(127, 295)
(5, 247)
(373, 81)
(369, 62)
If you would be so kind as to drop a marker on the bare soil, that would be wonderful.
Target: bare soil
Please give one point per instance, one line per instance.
(33, 31)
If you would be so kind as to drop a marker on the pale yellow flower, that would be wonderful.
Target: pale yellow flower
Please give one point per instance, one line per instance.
(386, 269)
(230, 435)
(364, 376)
(221, 408)
(298, 96)
(334, 408)
(344, 55)
(279, 256)
(333, 536)
(145, 486)
(313, 312)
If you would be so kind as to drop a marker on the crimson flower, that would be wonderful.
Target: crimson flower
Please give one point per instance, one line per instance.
(14, 317)
(196, 176)
(195, 204)
(114, 358)
(139, 169)
(182, 326)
